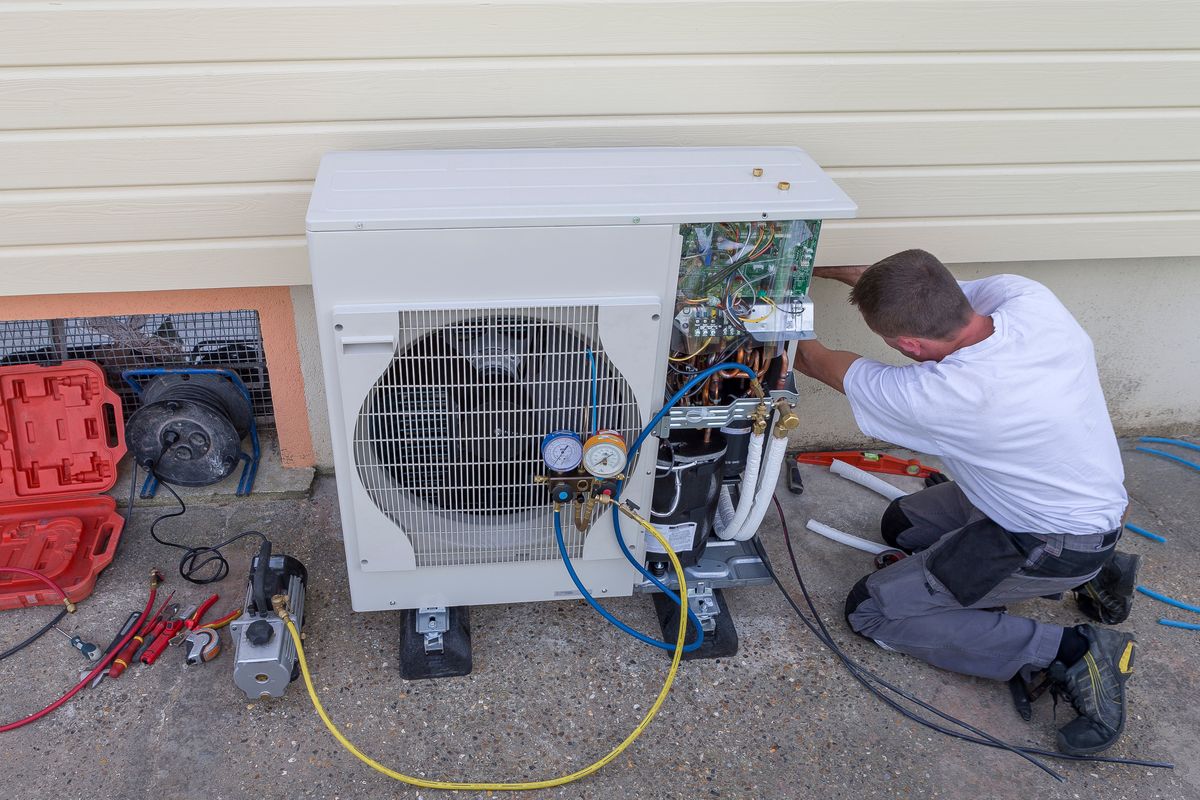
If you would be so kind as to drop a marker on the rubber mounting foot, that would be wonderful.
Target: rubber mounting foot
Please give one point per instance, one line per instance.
(453, 661)
(721, 642)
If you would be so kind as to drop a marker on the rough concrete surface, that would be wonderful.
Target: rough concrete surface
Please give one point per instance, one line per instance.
(555, 687)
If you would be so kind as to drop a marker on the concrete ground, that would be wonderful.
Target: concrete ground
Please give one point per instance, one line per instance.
(554, 686)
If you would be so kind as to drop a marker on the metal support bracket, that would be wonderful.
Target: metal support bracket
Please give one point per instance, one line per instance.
(703, 604)
(718, 416)
(432, 623)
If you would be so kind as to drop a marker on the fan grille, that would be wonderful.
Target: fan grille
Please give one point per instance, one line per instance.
(448, 440)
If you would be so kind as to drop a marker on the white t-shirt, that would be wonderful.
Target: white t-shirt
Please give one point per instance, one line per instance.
(1019, 419)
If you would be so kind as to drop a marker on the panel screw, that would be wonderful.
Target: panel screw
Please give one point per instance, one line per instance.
(757, 172)
(784, 185)
(358, 225)
(636, 220)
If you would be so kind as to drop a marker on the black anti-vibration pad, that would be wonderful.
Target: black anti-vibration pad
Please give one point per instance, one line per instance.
(453, 661)
(721, 642)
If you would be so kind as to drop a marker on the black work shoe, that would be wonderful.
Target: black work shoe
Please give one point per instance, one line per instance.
(1095, 685)
(1108, 597)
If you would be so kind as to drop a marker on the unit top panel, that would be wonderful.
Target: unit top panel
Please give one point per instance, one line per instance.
(398, 189)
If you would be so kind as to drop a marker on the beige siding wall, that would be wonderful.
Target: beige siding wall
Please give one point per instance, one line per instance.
(166, 144)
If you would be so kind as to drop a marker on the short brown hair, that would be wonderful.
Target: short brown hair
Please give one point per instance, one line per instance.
(911, 294)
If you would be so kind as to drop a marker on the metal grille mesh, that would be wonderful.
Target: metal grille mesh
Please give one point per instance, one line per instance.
(448, 441)
(213, 339)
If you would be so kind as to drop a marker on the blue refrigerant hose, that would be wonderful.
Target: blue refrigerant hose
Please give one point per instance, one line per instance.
(1171, 601)
(631, 457)
(566, 559)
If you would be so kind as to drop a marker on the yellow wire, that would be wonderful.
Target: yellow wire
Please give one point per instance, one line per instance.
(707, 342)
(770, 311)
(545, 784)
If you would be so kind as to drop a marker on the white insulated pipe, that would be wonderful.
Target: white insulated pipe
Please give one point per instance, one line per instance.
(845, 538)
(747, 491)
(866, 479)
(766, 488)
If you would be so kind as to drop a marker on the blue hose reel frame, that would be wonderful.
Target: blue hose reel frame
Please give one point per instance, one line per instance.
(134, 378)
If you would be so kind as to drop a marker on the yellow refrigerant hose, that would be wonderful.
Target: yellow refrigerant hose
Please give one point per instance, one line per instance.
(280, 603)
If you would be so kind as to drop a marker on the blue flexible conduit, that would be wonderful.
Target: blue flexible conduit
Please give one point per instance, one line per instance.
(1176, 442)
(1129, 526)
(1174, 623)
(1171, 601)
(595, 402)
(1162, 454)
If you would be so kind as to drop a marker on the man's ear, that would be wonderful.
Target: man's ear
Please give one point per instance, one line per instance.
(912, 347)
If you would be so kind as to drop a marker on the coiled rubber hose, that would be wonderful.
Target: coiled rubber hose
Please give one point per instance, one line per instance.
(281, 610)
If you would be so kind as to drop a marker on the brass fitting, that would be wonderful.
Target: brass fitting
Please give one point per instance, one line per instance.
(279, 602)
(787, 422)
(70, 606)
(759, 418)
(756, 388)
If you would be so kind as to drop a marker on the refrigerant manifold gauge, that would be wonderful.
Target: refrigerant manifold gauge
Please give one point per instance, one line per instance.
(604, 454)
(562, 450)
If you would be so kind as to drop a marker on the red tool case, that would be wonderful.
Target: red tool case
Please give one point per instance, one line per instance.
(61, 436)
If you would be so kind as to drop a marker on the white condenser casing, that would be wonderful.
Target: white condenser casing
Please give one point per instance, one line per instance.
(458, 293)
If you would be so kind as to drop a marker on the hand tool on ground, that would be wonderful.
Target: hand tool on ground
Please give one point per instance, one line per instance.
(203, 645)
(150, 636)
(193, 621)
(887, 558)
(154, 649)
(130, 623)
(125, 657)
(90, 651)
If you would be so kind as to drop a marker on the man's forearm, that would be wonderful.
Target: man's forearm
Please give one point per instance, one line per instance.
(828, 366)
(847, 275)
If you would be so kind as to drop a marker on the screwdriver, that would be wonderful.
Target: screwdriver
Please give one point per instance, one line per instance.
(90, 651)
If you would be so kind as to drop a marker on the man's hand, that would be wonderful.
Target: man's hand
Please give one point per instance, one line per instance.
(828, 366)
(847, 275)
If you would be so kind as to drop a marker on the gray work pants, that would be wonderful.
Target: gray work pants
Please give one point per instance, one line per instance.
(906, 608)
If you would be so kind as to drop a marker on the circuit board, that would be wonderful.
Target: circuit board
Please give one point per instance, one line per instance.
(744, 280)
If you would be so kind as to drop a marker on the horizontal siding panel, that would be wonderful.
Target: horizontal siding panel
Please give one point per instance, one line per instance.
(290, 152)
(1015, 238)
(32, 34)
(284, 260)
(277, 209)
(70, 97)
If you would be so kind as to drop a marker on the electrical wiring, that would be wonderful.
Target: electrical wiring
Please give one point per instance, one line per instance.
(281, 610)
(195, 560)
(102, 664)
(67, 607)
(699, 350)
(867, 678)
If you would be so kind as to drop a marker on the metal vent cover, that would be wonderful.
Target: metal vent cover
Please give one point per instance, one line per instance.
(447, 442)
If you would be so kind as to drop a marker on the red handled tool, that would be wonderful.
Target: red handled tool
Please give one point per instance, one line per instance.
(162, 641)
(126, 656)
(869, 462)
(193, 620)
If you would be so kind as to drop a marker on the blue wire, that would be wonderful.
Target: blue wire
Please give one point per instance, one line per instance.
(632, 455)
(1176, 442)
(1174, 623)
(595, 405)
(1171, 601)
(1183, 461)
(1129, 526)
(562, 549)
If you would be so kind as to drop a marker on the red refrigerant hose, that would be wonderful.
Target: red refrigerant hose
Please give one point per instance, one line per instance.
(34, 574)
(155, 577)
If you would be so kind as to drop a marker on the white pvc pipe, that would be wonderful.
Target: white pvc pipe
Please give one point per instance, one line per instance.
(866, 479)
(766, 488)
(845, 538)
(746, 495)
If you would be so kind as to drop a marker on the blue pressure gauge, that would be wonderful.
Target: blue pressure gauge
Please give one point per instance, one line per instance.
(562, 450)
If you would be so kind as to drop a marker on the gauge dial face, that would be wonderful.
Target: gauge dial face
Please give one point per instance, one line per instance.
(562, 451)
(604, 455)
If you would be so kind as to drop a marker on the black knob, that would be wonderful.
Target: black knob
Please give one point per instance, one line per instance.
(259, 632)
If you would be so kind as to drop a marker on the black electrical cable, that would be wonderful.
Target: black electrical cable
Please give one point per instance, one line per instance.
(195, 560)
(12, 651)
(866, 677)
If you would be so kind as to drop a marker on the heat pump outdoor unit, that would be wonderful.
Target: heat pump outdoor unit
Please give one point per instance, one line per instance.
(472, 304)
